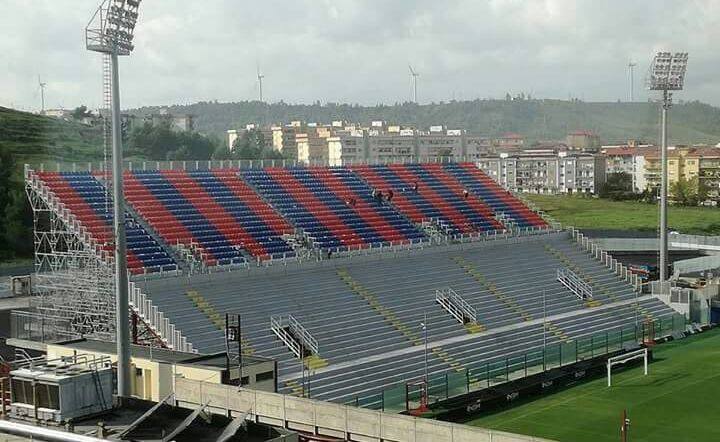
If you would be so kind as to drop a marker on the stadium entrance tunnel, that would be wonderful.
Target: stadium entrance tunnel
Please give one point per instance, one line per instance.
(498, 397)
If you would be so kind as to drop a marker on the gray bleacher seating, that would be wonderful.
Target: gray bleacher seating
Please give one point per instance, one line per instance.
(364, 345)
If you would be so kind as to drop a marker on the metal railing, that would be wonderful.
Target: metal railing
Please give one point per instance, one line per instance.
(574, 283)
(605, 258)
(155, 319)
(451, 301)
(399, 398)
(306, 339)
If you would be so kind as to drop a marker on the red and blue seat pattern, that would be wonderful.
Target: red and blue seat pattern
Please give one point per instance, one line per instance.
(424, 193)
(236, 216)
(334, 209)
(499, 199)
(87, 199)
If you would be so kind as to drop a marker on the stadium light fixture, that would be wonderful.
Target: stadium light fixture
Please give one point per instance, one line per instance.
(667, 74)
(111, 31)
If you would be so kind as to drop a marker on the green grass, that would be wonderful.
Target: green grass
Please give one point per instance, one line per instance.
(678, 401)
(597, 213)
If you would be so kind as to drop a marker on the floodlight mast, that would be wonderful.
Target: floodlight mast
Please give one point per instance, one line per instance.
(110, 31)
(667, 73)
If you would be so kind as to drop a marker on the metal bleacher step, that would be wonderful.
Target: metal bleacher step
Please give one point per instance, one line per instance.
(215, 317)
(385, 312)
(314, 361)
(449, 360)
(509, 302)
(593, 303)
(474, 327)
(296, 388)
(492, 288)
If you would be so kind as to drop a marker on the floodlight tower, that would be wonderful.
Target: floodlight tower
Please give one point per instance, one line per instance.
(110, 31)
(415, 76)
(667, 73)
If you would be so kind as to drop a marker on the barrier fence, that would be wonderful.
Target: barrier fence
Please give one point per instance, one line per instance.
(407, 396)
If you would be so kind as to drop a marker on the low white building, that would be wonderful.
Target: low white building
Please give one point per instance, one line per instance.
(546, 171)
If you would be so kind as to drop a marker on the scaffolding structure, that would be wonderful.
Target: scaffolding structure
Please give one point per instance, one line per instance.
(74, 288)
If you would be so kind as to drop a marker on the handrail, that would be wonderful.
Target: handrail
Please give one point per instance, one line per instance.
(455, 305)
(574, 283)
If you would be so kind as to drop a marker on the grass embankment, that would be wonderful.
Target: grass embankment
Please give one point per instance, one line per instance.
(677, 401)
(598, 213)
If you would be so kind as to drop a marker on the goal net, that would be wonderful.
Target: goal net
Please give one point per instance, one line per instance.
(625, 358)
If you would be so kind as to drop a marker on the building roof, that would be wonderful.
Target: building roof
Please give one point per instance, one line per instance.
(583, 132)
(216, 360)
(688, 152)
(511, 136)
(630, 151)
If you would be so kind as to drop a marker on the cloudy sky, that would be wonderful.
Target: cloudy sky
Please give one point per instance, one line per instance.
(358, 50)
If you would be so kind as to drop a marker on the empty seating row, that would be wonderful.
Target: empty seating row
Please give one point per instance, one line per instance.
(303, 209)
(185, 215)
(499, 199)
(262, 225)
(382, 310)
(90, 202)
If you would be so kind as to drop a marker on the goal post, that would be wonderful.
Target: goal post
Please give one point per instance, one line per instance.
(622, 359)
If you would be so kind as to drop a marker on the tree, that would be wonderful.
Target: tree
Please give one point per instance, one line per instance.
(80, 112)
(248, 146)
(618, 186)
(15, 214)
(688, 192)
(161, 142)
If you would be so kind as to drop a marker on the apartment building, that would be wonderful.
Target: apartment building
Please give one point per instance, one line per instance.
(629, 159)
(549, 171)
(585, 140)
(344, 143)
(688, 163)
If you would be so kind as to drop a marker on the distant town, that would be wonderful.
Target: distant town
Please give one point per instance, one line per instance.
(578, 164)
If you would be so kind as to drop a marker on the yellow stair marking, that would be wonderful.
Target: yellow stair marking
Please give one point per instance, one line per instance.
(313, 362)
(386, 313)
(390, 317)
(565, 260)
(509, 302)
(492, 288)
(216, 318)
(295, 387)
(474, 327)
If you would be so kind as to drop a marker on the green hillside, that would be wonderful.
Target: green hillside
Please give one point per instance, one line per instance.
(536, 119)
(36, 138)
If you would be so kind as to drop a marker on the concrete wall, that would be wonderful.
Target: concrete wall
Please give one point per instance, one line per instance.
(325, 418)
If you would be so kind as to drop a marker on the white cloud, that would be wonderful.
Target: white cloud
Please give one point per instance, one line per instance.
(358, 51)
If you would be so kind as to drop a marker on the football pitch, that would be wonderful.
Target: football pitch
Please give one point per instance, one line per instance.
(679, 400)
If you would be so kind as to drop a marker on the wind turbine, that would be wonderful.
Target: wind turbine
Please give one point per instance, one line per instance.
(260, 79)
(415, 76)
(42, 95)
(631, 66)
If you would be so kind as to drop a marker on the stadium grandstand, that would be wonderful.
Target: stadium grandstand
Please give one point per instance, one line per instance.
(360, 280)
